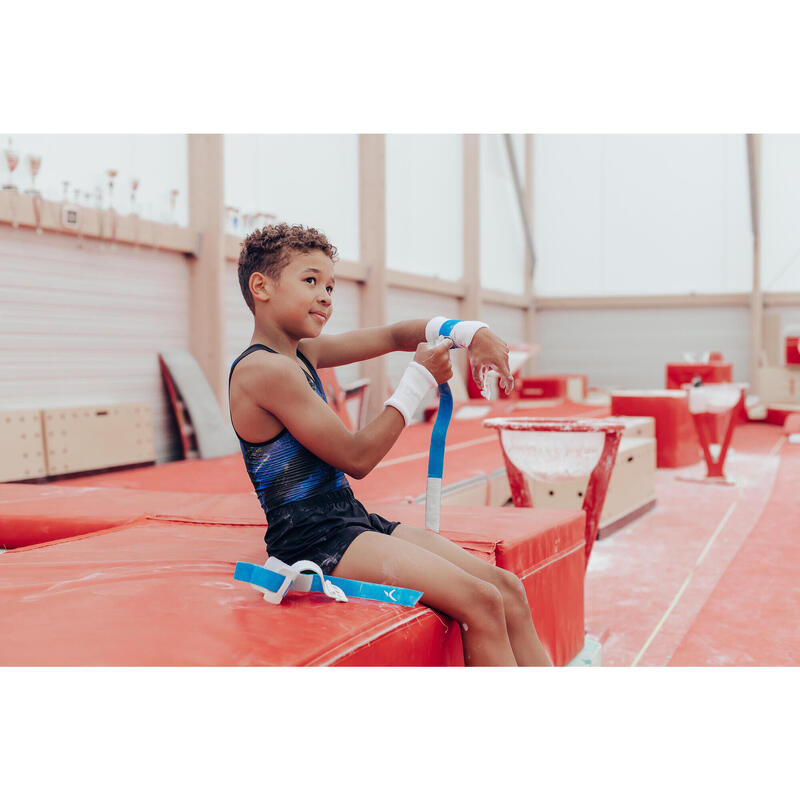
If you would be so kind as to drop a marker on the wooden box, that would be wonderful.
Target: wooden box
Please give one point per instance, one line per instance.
(21, 447)
(79, 439)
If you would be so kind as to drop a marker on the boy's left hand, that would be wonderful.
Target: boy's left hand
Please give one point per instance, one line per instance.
(489, 350)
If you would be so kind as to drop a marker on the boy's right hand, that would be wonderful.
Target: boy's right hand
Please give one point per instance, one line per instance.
(436, 359)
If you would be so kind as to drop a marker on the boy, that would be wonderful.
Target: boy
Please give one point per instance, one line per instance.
(298, 452)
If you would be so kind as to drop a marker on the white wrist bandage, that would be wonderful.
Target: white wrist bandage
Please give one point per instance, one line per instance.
(413, 386)
(462, 332)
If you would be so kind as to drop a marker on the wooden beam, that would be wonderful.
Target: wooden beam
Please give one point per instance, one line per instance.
(471, 186)
(372, 254)
(734, 300)
(408, 280)
(504, 298)
(207, 281)
(529, 323)
(781, 298)
(24, 211)
(756, 299)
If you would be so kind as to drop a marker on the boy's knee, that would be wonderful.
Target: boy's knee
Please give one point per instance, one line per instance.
(511, 587)
(484, 602)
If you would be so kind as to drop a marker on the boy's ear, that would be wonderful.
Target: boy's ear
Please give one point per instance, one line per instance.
(261, 286)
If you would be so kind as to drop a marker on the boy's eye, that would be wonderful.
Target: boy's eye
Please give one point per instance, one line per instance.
(311, 278)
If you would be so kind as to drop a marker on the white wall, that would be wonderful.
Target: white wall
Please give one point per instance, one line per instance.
(780, 213)
(649, 214)
(502, 237)
(508, 323)
(158, 161)
(424, 205)
(310, 180)
(83, 324)
(629, 348)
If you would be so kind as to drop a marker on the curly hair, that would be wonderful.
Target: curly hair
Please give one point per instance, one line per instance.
(270, 249)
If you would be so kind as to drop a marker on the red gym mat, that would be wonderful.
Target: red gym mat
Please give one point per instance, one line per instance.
(158, 593)
(676, 441)
(750, 619)
(35, 513)
(545, 547)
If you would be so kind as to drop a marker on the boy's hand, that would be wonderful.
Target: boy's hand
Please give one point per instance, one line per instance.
(487, 349)
(436, 359)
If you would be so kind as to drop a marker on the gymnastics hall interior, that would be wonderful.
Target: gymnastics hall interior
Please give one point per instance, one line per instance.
(638, 478)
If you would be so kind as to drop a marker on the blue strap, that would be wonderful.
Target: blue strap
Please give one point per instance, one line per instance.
(442, 423)
(267, 579)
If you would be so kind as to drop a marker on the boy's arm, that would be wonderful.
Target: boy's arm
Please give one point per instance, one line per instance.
(486, 348)
(346, 348)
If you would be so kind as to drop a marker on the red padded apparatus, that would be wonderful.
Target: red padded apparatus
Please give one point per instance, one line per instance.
(161, 592)
(32, 514)
(676, 440)
(544, 547)
(539, 387)
(792, 349)
(681, 372)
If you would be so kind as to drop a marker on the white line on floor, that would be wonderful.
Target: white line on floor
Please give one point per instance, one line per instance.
(685, 583)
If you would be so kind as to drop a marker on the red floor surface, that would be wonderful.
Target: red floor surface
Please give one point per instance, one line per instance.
(660, 590)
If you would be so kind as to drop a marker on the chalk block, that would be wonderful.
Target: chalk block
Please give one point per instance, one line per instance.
(590, 656)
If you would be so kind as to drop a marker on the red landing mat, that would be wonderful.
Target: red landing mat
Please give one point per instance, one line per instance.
(751, 617)
(160, 593)
(35, 513)
(676, 440)
(545, 547)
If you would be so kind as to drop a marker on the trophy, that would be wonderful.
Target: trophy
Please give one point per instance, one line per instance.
(134, 211)
(34, 165)
(12, 160)
(69, 212)
(232, 225)
(173, 199)
(112, 174)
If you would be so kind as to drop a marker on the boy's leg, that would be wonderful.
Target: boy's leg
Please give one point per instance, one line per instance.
(474, 603)
(528, 650)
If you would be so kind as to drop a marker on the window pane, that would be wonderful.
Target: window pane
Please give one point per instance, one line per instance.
(157, 161)
(424, 202)
(502, 238)
(780, 233)
(649, 214)
(300, 179)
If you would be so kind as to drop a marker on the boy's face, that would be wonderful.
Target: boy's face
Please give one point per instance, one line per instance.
(301, 301)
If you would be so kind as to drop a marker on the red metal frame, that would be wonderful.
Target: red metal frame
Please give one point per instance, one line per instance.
(598, 481)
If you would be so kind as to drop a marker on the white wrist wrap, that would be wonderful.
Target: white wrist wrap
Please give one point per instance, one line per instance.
(462, 332)
(413, 386)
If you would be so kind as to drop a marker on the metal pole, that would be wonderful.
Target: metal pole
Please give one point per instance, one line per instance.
(756, 299)
(512, 160)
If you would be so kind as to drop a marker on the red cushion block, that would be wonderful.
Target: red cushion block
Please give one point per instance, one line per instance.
(545, 547)
(676, 439)
(161, 592)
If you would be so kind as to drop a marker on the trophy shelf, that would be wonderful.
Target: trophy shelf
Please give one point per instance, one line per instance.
(93, 223)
